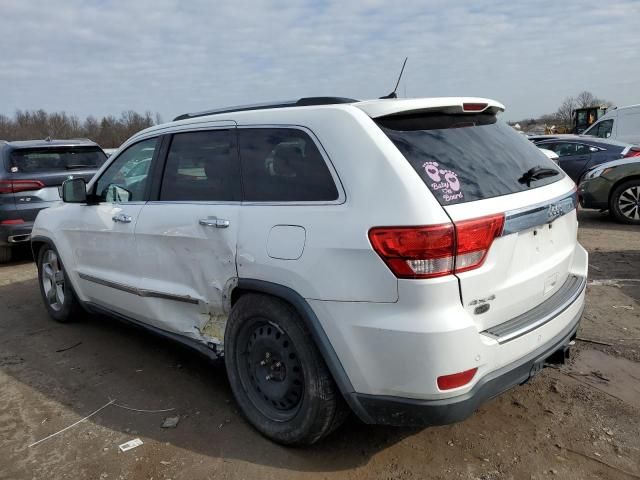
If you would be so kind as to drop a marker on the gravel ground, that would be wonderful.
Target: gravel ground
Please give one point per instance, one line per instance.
(580, 421)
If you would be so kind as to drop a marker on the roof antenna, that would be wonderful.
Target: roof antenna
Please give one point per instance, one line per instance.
(393, 94)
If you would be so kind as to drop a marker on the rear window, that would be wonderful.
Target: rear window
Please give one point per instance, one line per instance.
(463, 158)
(56, 159)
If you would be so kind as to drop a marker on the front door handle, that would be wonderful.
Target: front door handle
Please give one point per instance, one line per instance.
(214, 222)
(121, 218)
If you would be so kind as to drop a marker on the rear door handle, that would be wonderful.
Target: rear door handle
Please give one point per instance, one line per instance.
(214, 222)
(121, 218)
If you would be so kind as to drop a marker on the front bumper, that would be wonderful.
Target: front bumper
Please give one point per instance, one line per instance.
(391, 410)
(594, 193)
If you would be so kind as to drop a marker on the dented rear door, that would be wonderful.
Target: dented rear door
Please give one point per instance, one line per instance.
(186, 238)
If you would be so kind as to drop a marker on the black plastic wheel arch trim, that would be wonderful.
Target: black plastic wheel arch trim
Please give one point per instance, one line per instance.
(317, 333)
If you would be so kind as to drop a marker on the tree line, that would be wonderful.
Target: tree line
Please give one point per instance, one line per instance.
(563, 116)
(108, 132)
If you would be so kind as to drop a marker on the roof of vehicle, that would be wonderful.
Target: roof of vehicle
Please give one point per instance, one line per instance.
(588, 139)
(374, 108)
(48, 143)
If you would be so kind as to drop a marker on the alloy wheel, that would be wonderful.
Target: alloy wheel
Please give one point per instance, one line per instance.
(53, 280)
(629, 202)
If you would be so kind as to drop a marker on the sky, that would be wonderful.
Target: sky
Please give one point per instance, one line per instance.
(99, 57)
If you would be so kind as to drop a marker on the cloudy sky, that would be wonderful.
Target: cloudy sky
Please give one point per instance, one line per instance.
(104, 56)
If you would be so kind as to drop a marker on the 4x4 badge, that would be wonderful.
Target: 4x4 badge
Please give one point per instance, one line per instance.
(554, 211)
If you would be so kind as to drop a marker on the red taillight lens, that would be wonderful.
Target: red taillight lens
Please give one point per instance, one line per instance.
(474, 238)
(447, 382)
(633, 152)
(15, 186)
(415, 252)
(435, 251)
(17, 221)
(474, 107)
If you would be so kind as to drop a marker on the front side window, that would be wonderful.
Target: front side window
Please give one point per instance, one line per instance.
(602, 129)
(202, 166)
(283, 165)
(126, 179)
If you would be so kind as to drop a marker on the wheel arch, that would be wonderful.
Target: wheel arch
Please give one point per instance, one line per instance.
(620, 182)
(308, 316)
(37, 243)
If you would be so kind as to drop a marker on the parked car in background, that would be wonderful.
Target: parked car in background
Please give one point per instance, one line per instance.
(613, 186)
(578, 153)
(621, 124)
(259, 234)
(30, 174)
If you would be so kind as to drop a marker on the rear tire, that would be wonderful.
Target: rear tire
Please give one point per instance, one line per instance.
(6, 253)
(624, 203)
(57, 294)
(277, 374)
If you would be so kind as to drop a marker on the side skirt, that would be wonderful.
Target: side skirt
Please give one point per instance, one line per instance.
(207, 351)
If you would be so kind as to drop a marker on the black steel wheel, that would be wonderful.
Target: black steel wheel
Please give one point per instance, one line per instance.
(277, 374)
(270, 369)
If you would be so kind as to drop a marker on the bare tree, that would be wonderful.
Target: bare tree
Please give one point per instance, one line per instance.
(109, 131)
(564, 114)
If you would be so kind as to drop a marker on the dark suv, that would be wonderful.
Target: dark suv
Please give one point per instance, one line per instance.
(30, 173)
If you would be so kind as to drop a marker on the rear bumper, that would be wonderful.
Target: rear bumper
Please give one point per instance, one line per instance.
(11, 235)
(388, 410)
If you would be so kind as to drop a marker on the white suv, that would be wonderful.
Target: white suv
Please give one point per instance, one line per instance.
(405, 258)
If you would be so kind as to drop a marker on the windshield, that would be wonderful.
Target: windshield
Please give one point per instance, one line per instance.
(463, 158)
(56, 159)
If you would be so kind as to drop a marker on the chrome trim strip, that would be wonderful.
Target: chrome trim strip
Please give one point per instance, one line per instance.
(523, 319)
(139, 291)
(540, 214)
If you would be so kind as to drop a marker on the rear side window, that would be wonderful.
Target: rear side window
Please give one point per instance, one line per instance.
(283, 165)
(202, 166)
(56, 159)
(468, 157)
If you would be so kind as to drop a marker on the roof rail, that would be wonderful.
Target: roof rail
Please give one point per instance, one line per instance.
(303, 102)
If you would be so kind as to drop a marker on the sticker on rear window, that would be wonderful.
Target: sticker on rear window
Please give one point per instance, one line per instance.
(14, 169)
(445, 181)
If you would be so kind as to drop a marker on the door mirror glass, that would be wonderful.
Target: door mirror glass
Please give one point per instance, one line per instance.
(74, 190)
(117, 194)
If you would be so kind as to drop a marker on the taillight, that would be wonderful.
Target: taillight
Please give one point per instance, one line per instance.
(15, 221)
(15, 186)
(474, 238)
(474, 107)
(633, 152)
(447, 382)
(438, 250)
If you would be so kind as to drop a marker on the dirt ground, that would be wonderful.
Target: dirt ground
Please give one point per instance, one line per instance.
(580, 421)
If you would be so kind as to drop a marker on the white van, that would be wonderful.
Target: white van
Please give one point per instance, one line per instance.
(622, 124)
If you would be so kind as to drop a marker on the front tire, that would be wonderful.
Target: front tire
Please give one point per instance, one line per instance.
(55, 288)
(624, 204)
(277, 374)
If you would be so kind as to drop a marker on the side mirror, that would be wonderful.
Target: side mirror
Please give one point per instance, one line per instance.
(74, 190)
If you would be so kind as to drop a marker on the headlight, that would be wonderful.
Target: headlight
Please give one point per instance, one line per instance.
(596, 172)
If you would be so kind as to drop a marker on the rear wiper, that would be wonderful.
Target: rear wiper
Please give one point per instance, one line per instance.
(537, 173)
